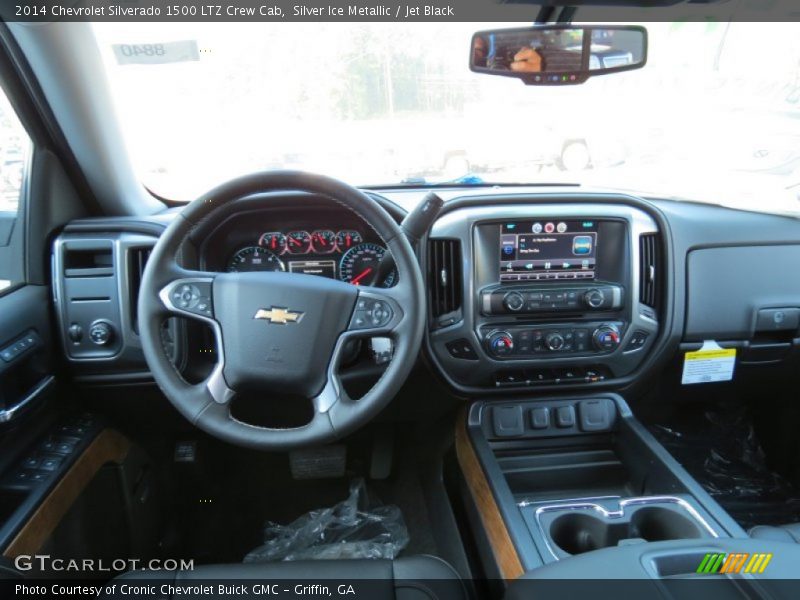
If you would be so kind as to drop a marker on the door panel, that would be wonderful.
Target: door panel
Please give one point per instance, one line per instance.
(25, 350)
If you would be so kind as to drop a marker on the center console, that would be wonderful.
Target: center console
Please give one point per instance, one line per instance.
(545, 295)
(573, 475)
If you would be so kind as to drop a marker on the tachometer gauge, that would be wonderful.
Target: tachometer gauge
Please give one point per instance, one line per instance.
(347, 239)
(360, 264)
(274, 241)
(323, 241)
(298, 242)
(254, 258)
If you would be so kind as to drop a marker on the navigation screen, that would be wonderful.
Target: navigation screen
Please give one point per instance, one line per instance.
(548, 250)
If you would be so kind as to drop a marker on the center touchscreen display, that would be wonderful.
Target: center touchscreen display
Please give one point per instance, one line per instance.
(548, 250)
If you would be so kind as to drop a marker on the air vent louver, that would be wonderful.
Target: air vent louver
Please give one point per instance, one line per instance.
(444, 276)
(649, 270)
(137, 259)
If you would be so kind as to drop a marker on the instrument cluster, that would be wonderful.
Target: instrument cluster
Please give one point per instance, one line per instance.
(342, 254)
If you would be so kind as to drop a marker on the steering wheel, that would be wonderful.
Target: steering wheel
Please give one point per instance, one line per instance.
(280, 331)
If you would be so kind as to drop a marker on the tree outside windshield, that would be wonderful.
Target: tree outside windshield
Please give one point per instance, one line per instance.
(714, 116)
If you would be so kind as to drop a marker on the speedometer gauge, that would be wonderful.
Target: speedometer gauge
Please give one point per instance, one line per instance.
(360, 264)
(253, 258)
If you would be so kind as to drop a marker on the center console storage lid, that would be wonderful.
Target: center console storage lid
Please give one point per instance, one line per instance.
(664, 570)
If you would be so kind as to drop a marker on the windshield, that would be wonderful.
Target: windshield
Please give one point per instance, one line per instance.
(714, 116)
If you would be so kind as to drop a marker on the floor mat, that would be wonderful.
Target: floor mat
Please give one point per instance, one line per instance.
(721, 451)
(354, 528)
(218, 507)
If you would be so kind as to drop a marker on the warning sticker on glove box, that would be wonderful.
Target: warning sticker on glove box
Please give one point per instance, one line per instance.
(709, 364)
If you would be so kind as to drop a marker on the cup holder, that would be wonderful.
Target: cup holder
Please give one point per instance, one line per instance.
(656, 524)
(576, 532)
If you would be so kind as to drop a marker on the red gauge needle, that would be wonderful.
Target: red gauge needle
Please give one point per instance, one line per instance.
(361, 276)
(274, 243)
(347, 241)
(294, 241)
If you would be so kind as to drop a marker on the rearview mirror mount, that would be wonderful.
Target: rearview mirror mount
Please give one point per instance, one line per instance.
(558, 54)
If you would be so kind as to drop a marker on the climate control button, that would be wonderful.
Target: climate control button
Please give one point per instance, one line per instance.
(501, 343)
(606, 338)
(554, 341)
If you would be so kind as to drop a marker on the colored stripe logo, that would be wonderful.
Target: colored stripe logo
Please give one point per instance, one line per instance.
(736, 562)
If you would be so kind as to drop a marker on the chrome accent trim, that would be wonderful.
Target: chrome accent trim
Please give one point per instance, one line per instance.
(616, 297)
(615, 514)
(9, 414)
(215, 383)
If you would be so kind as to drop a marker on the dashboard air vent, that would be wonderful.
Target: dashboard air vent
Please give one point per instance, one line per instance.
(444, 277)
(137, 259)
(649, 270)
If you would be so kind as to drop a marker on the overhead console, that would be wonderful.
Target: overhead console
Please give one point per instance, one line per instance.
(544, 294)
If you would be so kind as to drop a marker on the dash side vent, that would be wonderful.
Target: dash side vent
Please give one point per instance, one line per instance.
(650, 270)
(137, 260)
(444, 276)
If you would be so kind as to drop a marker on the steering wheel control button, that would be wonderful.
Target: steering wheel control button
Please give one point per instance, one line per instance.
(507, 421)
(371, 313)
(462, 349)
(101, 333)
(193, 297)
(380, 313)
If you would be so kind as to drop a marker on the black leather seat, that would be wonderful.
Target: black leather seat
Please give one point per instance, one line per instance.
(407, 578)
(783, 533)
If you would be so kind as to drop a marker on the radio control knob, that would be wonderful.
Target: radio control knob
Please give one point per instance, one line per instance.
(501, 343)
(606, 338)
(594, 298)
(514, 301)
(554, 341)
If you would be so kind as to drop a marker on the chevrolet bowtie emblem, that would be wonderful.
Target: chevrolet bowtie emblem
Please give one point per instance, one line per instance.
(278, 315)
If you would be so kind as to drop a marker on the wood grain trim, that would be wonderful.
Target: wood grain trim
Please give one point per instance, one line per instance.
(109, 446)
(505, 555)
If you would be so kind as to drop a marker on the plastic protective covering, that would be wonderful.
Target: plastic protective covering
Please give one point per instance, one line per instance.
(350, 529)
(722, 452)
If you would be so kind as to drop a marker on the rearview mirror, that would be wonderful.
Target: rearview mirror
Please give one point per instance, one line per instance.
(558, 54)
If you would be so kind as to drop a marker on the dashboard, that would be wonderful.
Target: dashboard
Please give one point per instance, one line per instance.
(529, 290)
(325, 242)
